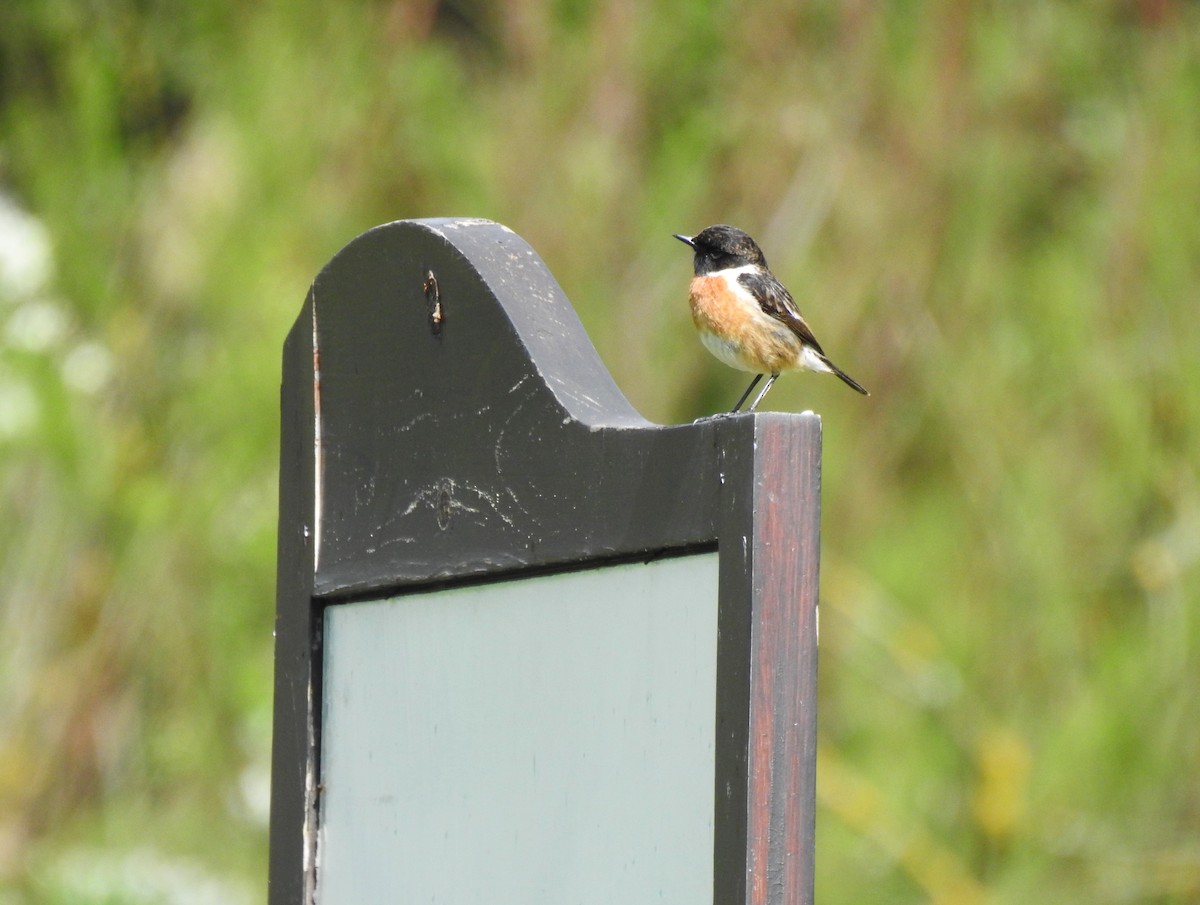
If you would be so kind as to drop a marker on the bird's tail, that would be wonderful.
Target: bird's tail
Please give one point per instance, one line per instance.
(846, 378)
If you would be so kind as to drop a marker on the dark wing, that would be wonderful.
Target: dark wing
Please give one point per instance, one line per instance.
(776, 301)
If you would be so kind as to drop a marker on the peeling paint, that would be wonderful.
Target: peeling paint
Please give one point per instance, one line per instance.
(410, 424)
(444, 497)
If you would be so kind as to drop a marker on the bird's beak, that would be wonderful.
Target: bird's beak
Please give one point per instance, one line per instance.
(686, 240)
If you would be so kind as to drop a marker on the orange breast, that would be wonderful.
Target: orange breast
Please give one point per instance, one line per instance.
(715, 307)
(737, 331)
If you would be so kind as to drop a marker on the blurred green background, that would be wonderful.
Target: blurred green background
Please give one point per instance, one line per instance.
(990, 213)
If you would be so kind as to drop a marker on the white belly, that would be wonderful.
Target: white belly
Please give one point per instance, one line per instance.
(803, 357)
(726, 352)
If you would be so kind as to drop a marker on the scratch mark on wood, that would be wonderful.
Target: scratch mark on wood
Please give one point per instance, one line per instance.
(318, 457)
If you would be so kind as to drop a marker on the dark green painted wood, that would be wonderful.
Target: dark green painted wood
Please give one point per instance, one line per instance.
(490, 442)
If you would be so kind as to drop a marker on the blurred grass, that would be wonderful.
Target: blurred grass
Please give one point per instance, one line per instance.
(988, 212)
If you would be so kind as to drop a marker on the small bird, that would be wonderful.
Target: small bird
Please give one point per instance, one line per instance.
(744, 314)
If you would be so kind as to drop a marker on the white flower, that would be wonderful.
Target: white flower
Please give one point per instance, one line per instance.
(25, 252)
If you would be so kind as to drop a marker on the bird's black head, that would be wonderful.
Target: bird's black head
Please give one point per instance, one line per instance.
(720, 247)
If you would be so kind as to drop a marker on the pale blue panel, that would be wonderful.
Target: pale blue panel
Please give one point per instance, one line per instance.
(546, 740)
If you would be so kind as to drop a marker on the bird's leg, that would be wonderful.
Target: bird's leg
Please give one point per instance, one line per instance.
(762, 392)
(749, 390)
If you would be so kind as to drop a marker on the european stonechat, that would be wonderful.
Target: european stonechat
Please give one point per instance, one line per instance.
(744, 314)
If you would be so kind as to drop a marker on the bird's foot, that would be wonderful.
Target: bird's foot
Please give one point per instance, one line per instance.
(716, 416)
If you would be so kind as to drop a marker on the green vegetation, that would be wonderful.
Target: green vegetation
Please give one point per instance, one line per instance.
(988, 211)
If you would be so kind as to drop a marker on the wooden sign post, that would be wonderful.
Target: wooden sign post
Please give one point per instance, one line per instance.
(529, 646)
